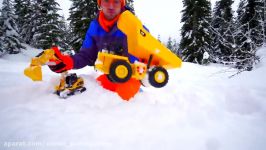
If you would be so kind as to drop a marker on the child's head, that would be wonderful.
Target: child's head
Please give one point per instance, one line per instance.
(123, 2)
(111, 8)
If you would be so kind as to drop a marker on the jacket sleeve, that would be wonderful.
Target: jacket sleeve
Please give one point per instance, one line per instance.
(88, 52)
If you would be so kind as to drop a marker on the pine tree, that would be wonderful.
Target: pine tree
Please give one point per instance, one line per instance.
(46, 24)
(24, 13)
(264, 20)
(2, 49)
(259, 15)
(64, 41)
(19, 11)
(82, 12)
(176, 47)
(10, 38)
(222, 31)
(169, 44)
(195, 31)
(262, 16)
(250, 33)
(130, 4)
(159, 38)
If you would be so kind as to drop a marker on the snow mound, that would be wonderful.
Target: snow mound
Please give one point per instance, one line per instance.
(201, 108)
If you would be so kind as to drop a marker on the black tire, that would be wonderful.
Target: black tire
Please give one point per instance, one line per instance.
(126, 68)
(153, 79)
(110, 78)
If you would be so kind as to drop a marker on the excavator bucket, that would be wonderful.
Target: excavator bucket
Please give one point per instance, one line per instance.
(34, 73)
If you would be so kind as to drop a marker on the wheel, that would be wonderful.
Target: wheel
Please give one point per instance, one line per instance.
(158, 77)
(71, 79)
(110, 78)
(120, 71)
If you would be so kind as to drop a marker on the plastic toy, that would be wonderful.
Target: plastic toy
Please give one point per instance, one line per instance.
(70, 83)
(154, 58)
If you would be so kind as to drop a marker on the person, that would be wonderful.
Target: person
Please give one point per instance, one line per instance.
(102, 33)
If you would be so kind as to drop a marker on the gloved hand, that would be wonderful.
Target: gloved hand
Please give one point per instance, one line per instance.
(62, 63)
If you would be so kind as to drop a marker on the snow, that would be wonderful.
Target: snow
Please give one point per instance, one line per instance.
(200, 108)
(188, 34)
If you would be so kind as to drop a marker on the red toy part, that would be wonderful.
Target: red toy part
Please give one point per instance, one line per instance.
(106, 83)
(128, 89)
(125, 90)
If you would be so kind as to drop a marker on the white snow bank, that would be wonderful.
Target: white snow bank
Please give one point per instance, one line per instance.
(200, 109)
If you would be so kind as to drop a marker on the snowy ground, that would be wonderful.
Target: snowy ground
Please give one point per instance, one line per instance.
(200, 109)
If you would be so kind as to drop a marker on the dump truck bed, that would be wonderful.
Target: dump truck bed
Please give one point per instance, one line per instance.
(142, 44)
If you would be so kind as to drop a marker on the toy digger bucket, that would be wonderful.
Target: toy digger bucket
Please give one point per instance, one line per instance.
(34, 73)
(142, 44)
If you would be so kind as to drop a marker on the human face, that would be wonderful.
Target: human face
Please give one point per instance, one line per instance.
(111, 8)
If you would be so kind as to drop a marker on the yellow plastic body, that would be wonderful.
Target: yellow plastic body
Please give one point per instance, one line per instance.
(34, 71)
(104, 61)
(62, 86)
(142, 44)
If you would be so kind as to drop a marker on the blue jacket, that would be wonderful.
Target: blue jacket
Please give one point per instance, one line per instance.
(97, 39)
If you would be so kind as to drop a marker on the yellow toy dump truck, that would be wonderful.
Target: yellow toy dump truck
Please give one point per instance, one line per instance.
(154, 57)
